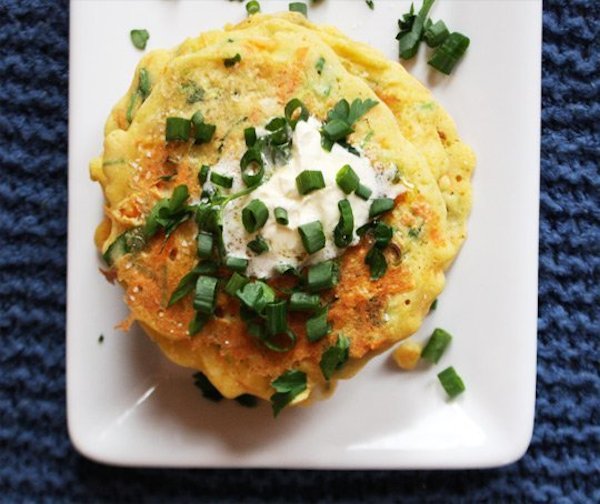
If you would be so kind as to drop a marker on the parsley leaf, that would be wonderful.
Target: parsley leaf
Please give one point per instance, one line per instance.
(288, 386)
(340, 121)
(334, 358)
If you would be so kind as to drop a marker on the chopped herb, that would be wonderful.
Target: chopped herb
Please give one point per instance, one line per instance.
(435, 33)
(347, 179)
(340, 121)
(411, 30)
(188, 281)
(197, 323)
(247, 400)
(203, 174)
(414, 232)
(250, 136)
(449, 53)
(452, 382)
(205, 243)
(238, 264)
(258, 245)
(287, 387)
(132, 240)
(310, 180)
(382, 234)
(281, 216)
(299, 7)
(371, 4)
(253, 168)
(221, 180)
(235, 283)
(254, 215)
(205, 295)
(436, 346)
(282, 342)
(194, 92)
(290, 112)
(363, 192)
(320, 64)
(256, 295)
(377, 263)
(317, 326)
(144, 86)
(433, 306)
(209, 391)
(343, 232)
(285, 269)
(334, 358)
(252, 7)
(168, 213)
(139, 38)
(322, 276)
(177, 129)
(276, 315)
(379, 206)
(301, 302)
(313, 237)
(203, 132)
(229, 62)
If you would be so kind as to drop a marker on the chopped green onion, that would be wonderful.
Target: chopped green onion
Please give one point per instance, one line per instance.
(377, 263)
(301, 302)
(310, 180)
(258, 245)
(436, 346)
(322, 276)
(205, 244)
(276, 123)
(299, 7)
(337, 129)
(203, 132)
(291, 108)
(433, 306)
(235, 283)
(363, 192)
(282, 342)
(319, 65)
(197, 323)
(252, 7)
(178, 129)
(250, 137)
(347, 179)
(205, 296)
(409, 40)
(253, 168)
(370, 4)
(209, 391)
(435, 33)
(276, 314)
(343, 232)
(168, 213)
(254, 215)
(238, 264)
(247, 400)
(382, 234)
(221, 180)
(132, 240)
(334, 358)
(229, 62)
(313, 237)
(256, 295)
(287, 387)
(449, 53)
(284, 269)
(452, 383)
(139, 38)
(379, 206)
(281, 216)
(203, 174)
(317, 326)
(188, 281)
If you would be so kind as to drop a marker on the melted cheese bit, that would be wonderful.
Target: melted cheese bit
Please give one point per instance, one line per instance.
(280, 190)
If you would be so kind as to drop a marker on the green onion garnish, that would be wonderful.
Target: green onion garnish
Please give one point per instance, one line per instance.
(250, 137)
(209, 391)
(435, 33)
(276, 314)
(334, 358)
(347, 179)
(256, 296)
(197, 323)
(363, 192)
(229, 62)
(281, 216)
(299, 7)
(221, 180)
(178, 129)
(203, 132)
(238, 264)
(258, 245)
(168, 213)
(282, 342)
(436, 346)
(188, 281)
(377, 263)
(343, 232)
(287, 387)
(337, 129)
(319, 65)
(205, 243)
(317, 326)
(139, 38)
(452, 383)
(301, 302)
(254, 215)
(370, 4)
(205, 296)
(203, 174)
(409, 39)
(252, 7)
(235, 283)
(290, 112)
(382, 234)
(310, 180)
(253, 168)
(313, 237)
(322, 276)
(379, 206)
(449, 53)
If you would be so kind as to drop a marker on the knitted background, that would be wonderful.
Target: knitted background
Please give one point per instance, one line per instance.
(37, 461)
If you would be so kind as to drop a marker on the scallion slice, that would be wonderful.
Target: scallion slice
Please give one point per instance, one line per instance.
(317, 326)
(451, 381)
(299, 7)
(377, 263)
(204, 133)
(235, 283)
(337, 129)
(436, 346)
(290, 112)
(312, 235)
(347, 179)
(276, 315)
(205, 243)
(363, 192)
(238, 264)
(252, 7)
(449, 53)
(256, 296)
(302, 302)
(178, 129)
(281, 216)
(197, 323)
(382, 234)
(221, 180)
(322, 276)
(309, 181)
(253, 168)
(343, 232)
(435, 33)
(258, 245)
(203, 174)
(287, 387)
(205, 296)
(229, 62)
(334, 358)
(379, 206)
(250, 136)
(254, 215)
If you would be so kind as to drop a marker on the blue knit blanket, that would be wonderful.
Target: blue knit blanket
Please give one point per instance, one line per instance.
(37, 461)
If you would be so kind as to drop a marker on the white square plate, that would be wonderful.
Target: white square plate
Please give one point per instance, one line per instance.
(127, 405)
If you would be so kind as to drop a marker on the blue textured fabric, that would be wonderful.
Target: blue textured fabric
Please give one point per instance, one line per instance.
(37, 461)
